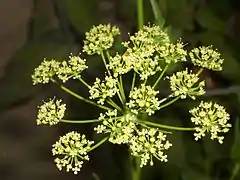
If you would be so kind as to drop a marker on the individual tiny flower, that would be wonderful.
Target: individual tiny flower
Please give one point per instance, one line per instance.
(172, 53)
(206, 57)
(72, 68)
(143, 100)
(51, 112)
(185, 84)
(71, 150)
(120, 128)
(102, 90)
(210, 118)
(45, 71)
(100, 38)
(149, 143)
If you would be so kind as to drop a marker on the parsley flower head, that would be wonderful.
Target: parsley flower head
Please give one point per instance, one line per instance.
(51, 112)
(100, 38)
(149, 143)
(172, 53)
(118, 65)
(102, 90)
(185, 84)
(71, 150)
(120, 128)
(144, 100)
(206, 57)
(72, 68)
(45, 71)
(211, 118)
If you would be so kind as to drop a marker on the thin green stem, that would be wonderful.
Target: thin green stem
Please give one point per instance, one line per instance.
(170, 102)
(122, 89)
(200, 71)
(140, 13)
(80, 121)
(235, 171)
(80, 97)
(105, 63)
(161, 75)
(133, 80)
(165, 126)
(99, 143)
(113, 104)
(84, 82)
(136, 169)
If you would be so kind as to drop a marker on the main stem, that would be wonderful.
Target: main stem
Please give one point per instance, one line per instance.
(140, 13)
(136, 169)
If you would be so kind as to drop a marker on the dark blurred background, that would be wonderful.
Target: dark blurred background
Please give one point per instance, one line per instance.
(33, 29)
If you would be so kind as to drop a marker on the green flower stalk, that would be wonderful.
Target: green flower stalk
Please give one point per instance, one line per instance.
(147, 56)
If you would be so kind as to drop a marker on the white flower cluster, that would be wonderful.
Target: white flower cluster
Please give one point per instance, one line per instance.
(100, 38)
(171, 53)
(211, 118)
(118, 65)
(143, 100)
(72, 68)
(64, 70)
(149, 143)
(51, 112)
(206, 57)
(120, 128)
(71, 150)
(185, 84)
(45, 71)
(145, 143)
(141, 48)
(102, 90)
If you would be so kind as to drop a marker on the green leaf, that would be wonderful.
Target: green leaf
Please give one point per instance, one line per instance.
(17, 83)
(190, 174)
(82, 14)
(207, 19)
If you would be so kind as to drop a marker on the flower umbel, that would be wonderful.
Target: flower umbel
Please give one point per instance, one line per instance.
(102, 90)
(120, 128)
(72, 68)
(100, 38)
(147, 143)
(206, 57)
(211, 118)
(171, 53)
(143, 100)
(45, 71)
(185, 84)
(71, 150)
(51, 112)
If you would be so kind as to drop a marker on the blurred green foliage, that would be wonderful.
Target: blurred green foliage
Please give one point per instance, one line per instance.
(196, 22)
